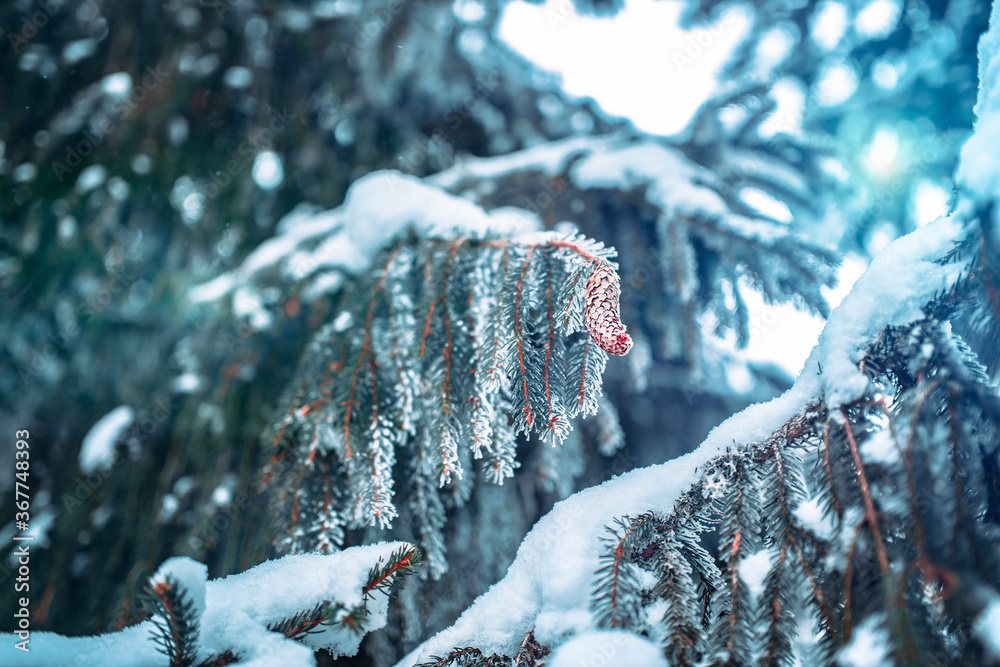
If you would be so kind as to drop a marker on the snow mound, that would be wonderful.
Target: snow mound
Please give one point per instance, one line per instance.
(870, 646)
(987, 627)
(893, 291)
(979, 170)
(611, 647)
(378, 208)
(190, 575)
(236, 613)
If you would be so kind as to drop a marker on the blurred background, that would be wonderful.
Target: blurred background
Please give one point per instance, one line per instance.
(147, 148)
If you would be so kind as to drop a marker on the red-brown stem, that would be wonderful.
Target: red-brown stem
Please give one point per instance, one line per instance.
(776, 603)
(871, 516)
(291, 411)
(405, 561)
(503, 243)
(295, 499)
(619, 552)
(326, 489)
(829, 470)
(575, 248)
(41, 612)
(162, 591)
(313, 446)
(548, 348)
(305, 626)
(447, 323)
(496, 331)
(226, 658)
(817, 591)
(427, 326)
(517, 334)
(583, 375)
(365, 354)
(365, 351)
(848, 578)
(790, 539)
(959, 499)
(734, 583)
(569, 302)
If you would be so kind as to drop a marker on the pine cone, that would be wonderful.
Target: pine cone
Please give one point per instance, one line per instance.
(602, 313)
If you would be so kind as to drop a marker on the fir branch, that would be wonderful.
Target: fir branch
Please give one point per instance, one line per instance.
(615, 580)
(301, 624)
(530, 653)
(529, 416)
(221, 660)
(175, 621)
(459, 657)
(384, 578)
(871, 515)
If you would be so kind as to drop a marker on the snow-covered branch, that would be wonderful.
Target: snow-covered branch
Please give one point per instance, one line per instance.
(279, 612)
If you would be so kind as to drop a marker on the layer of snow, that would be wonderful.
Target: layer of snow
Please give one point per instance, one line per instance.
(237, 610)
(607, 647)
(811, 515)
(378, 207)
(979, 170)
(548, 158)
(98, 448)
(188, 574)
(900, 281)
(670, 176)
(881, 447)
(753, 571)
(553, 571)
(870, 646)
(987, 627)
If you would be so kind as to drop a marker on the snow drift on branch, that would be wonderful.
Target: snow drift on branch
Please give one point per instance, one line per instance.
(378, 207)
(245, 617)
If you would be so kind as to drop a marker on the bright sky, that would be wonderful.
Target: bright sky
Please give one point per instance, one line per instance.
(641, 65)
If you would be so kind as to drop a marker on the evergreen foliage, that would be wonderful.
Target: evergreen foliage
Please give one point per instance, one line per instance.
(904, 69)
(424, 387)
(529, 654)
(246, 619)
(687, 239)
(176, 620)
(460, 344)
(876, 517)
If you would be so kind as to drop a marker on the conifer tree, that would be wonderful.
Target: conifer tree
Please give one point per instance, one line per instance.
(850, 521)
(275, 355)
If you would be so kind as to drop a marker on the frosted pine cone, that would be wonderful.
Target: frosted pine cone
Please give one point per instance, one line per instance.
(602, 314)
